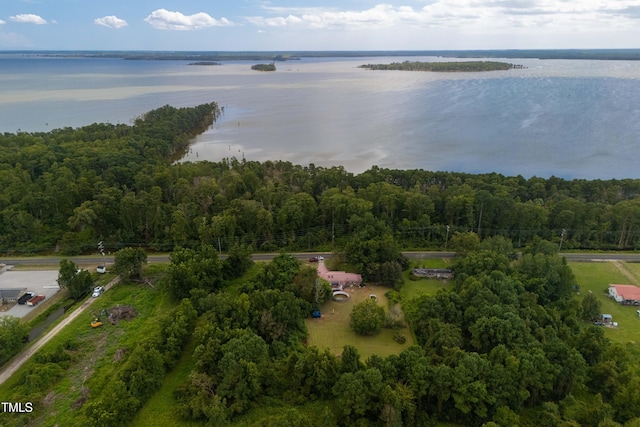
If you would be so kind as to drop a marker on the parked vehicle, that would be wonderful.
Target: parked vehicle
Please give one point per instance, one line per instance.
(313, 259)
(101, 269)
(26, 297)
(97, 291)
(35, 300)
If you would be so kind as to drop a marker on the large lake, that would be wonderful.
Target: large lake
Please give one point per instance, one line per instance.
(568, 118)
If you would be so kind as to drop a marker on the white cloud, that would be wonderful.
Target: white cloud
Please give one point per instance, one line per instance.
(163, 19)
(2, 22)
(111, 22)
(28, 18)
(460, 14)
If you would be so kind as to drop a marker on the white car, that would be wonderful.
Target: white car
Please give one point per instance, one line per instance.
(101, 269)
(97, 291)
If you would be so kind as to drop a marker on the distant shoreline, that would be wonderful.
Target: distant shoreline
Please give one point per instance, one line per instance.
(592, 54)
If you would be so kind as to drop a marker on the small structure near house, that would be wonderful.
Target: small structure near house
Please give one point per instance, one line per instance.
(340, 296)
(607, 319)
(8, 296)
(625, 294)
(433, 273)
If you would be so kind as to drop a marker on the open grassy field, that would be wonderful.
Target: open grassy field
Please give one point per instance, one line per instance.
(596, 277)
(415, 288)
(333, 330)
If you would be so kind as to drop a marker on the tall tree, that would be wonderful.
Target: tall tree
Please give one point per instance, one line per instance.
(77, 282)
(129, 263)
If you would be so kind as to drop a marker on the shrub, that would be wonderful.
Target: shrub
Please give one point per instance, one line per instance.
(399, 338)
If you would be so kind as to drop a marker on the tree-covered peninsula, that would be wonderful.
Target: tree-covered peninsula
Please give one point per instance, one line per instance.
(67, 189)
(454, 66)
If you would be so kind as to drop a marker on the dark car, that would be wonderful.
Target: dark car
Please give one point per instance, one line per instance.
(26, 297)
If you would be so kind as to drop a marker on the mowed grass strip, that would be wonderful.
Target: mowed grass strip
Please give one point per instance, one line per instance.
(333, 330)
(596, 277)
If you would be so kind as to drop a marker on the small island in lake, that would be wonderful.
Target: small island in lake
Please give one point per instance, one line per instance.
(454, 66)
(204, 63)
(264, 67)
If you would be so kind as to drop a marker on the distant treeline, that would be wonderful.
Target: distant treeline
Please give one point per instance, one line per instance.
(456, 66)
(601, 54)
(68, 189)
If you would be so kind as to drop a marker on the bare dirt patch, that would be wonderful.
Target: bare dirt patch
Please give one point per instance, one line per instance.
(84, 396)
(119, 354)
(121, 312)
(49, 398)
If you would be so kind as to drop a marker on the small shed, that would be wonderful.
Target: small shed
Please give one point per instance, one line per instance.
(9, 295)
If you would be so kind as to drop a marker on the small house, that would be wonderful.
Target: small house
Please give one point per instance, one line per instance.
(433, 273)
(8, 296)
(625, 294)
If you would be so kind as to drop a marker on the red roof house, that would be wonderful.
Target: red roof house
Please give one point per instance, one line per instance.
(625, 294)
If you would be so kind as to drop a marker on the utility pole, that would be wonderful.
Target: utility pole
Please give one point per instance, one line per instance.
(564, 231)
(101, 250)
(333, 229)
(446, 241)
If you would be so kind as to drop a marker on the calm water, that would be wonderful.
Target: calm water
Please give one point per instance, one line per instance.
(573, 119)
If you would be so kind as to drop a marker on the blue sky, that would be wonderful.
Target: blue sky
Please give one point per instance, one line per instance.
(227, 25)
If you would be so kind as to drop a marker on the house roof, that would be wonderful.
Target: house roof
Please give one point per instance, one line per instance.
(337, 276)
(627, 292)
(9, 293)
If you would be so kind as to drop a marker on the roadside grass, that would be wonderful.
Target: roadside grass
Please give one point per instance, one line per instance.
(333, 331)
(596, 277)
(633, 268)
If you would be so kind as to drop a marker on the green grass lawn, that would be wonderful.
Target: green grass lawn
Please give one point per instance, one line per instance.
(596, 277)
(334, 332)
(415, 288)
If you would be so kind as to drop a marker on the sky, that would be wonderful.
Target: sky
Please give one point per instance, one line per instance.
(256, 25)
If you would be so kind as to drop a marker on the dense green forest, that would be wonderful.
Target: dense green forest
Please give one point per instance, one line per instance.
(67, 189)
(507, 343)
(457, 66)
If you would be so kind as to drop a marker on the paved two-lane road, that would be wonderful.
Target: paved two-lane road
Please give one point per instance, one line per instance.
(160, 258)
